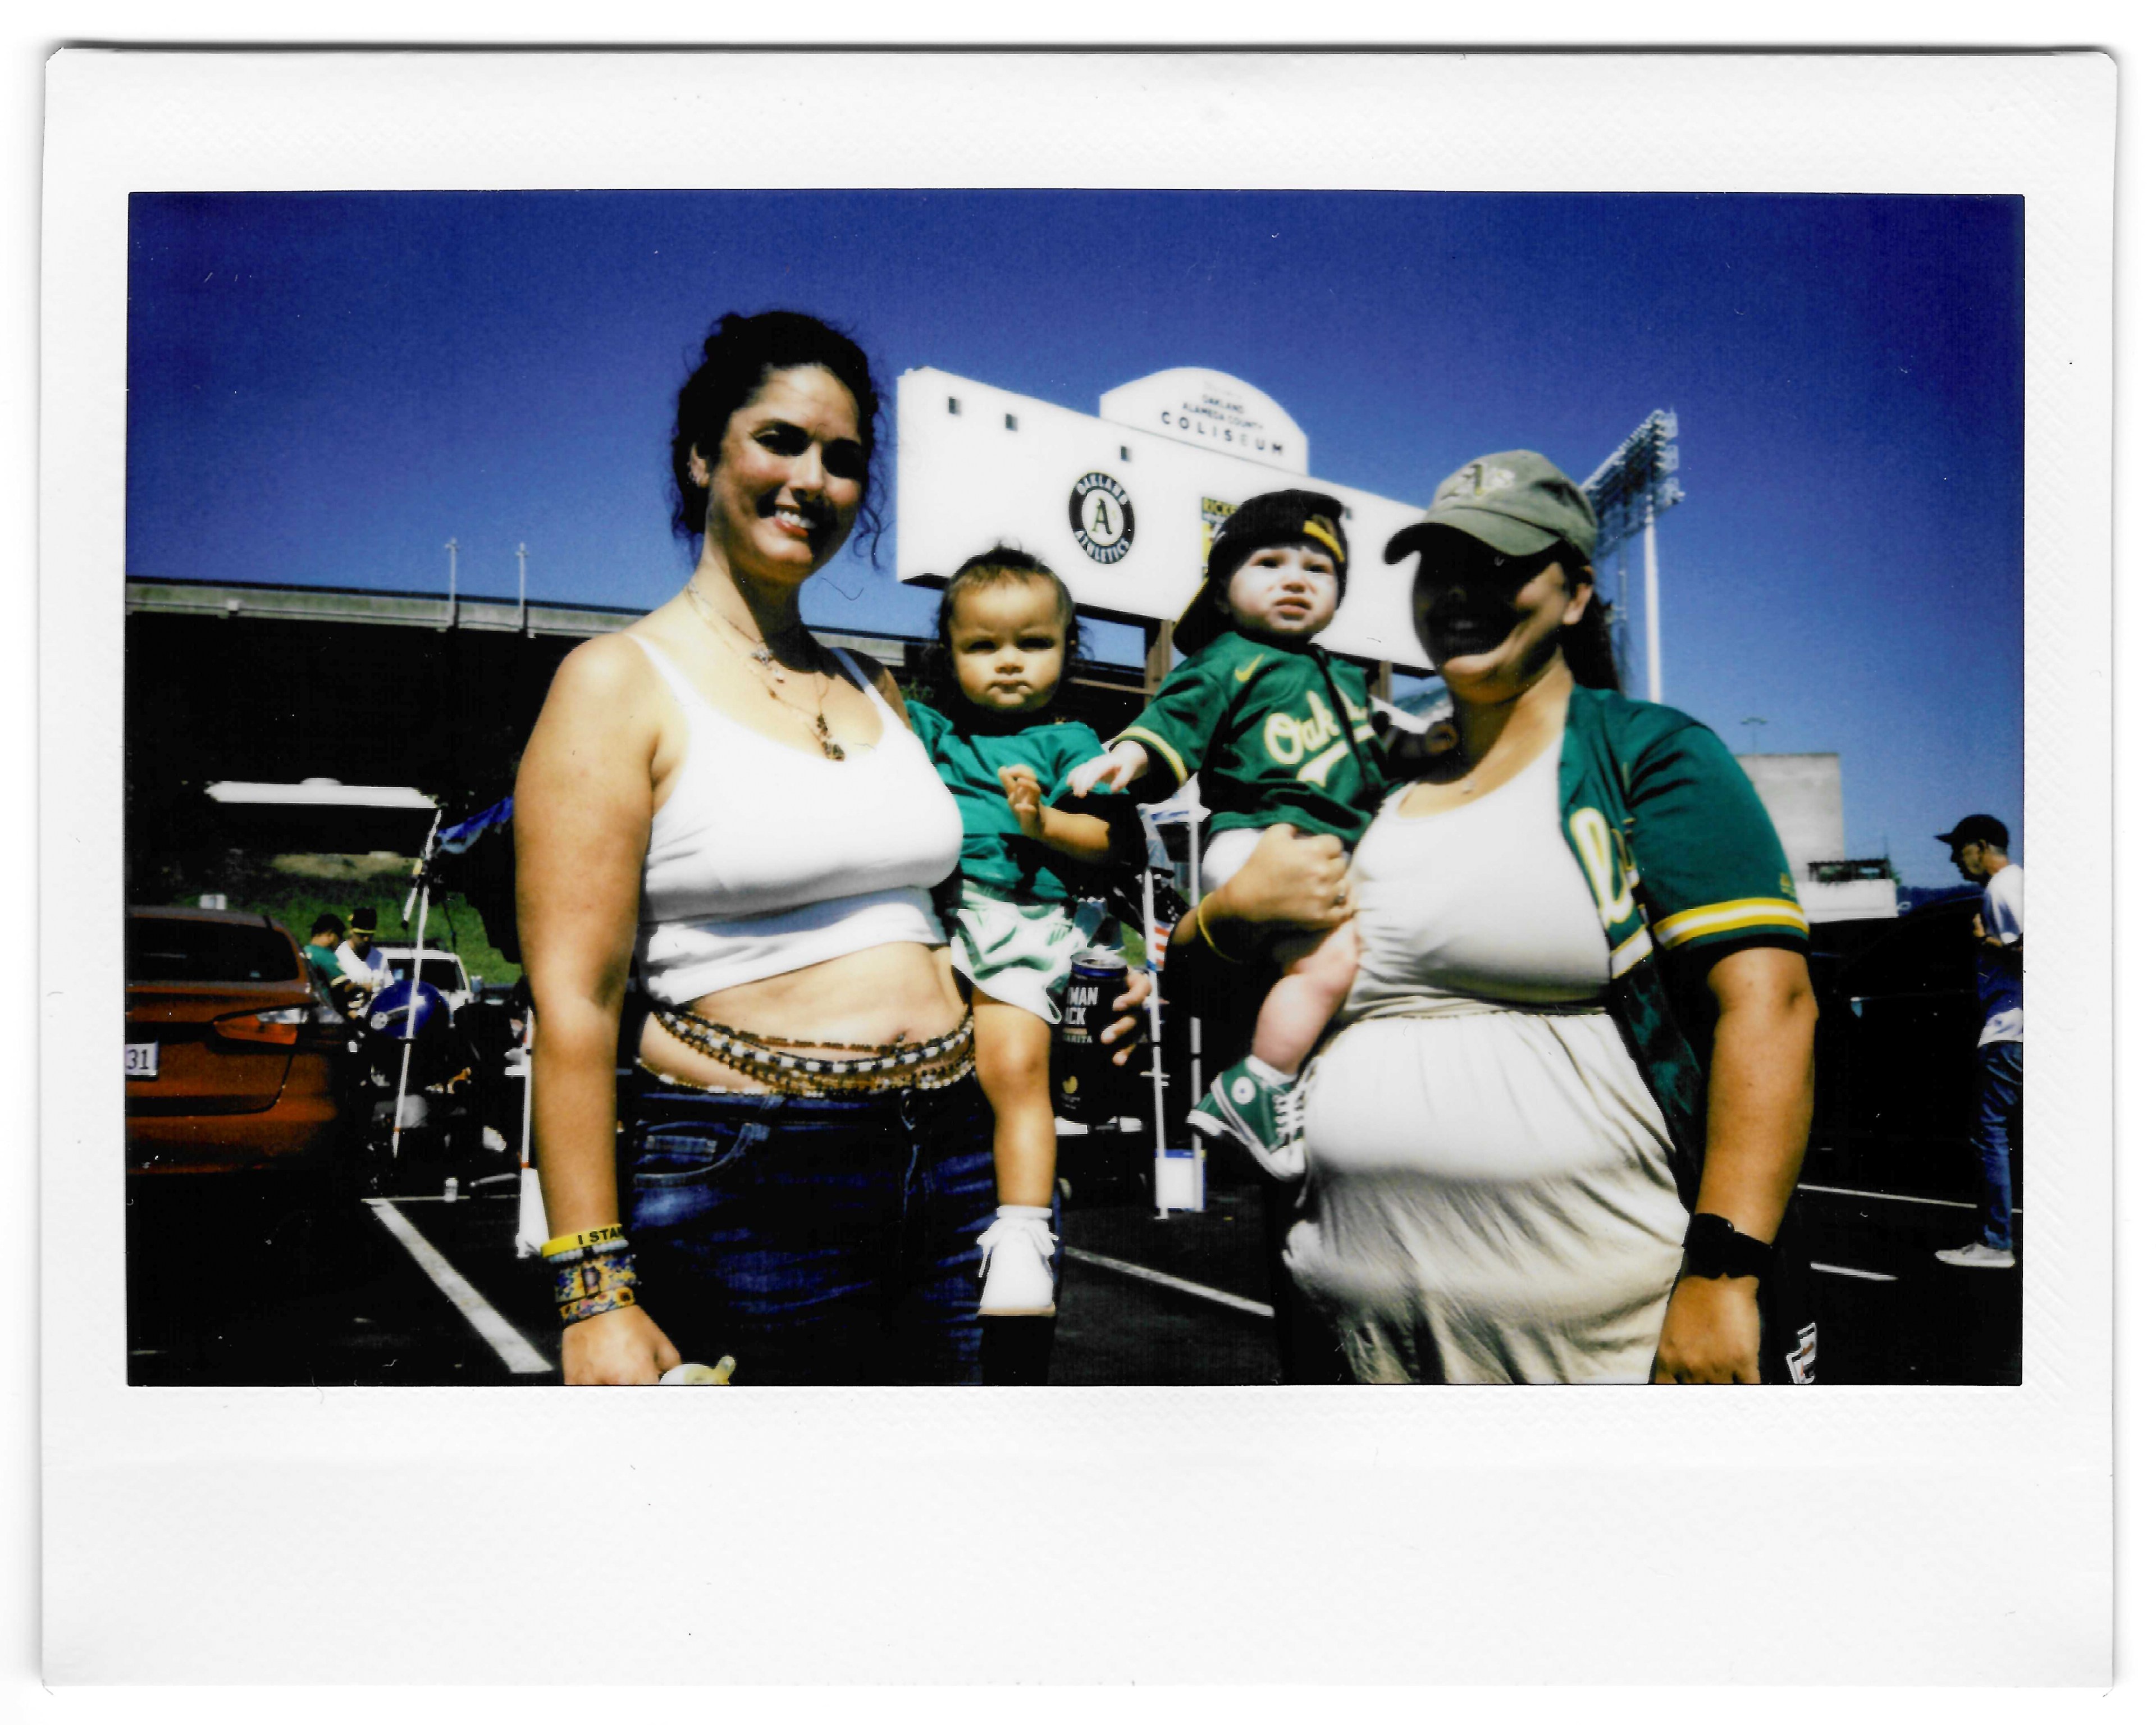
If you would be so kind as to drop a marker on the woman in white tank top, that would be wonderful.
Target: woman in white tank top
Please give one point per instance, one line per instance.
(721, 814)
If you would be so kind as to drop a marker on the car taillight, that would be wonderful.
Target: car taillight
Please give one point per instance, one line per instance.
(281, 1026)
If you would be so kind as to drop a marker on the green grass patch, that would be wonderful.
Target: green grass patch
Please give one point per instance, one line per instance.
(294, 890)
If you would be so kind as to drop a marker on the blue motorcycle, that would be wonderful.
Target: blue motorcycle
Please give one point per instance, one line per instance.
(420, 1068)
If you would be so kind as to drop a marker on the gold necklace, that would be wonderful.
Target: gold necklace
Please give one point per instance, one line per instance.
(761, 655)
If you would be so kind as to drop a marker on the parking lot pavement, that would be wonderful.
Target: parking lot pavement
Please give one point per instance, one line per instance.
(1165, 1300)
(1889, 1311)
(278, 1313)
(421, 1292)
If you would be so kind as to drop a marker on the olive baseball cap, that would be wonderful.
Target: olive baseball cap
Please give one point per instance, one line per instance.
(1517, 502)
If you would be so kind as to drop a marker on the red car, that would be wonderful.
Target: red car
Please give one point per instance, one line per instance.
(236, 1060)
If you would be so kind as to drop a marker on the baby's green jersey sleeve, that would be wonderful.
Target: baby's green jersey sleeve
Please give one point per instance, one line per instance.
(1075, 743)
(1178, 724)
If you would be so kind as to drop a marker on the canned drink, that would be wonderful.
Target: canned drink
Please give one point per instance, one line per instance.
(1081, 1083)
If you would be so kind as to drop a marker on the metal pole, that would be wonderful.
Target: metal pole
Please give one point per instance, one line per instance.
(1654, 610)
(1152, 1013)
(531, 1232)
(451, 547)
(411, 998)
(1159, 642)
(523, 616)
(524, 1144)
(1197, 1058)
(411, 1030)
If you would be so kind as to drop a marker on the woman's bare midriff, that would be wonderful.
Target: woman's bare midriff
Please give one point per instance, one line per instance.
(900, 992)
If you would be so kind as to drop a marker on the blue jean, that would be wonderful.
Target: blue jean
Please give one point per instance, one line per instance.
(1998, 1101)
(817, 1241)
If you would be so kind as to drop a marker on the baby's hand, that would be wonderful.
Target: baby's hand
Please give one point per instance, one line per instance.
(1115, 769)
(1022, 790)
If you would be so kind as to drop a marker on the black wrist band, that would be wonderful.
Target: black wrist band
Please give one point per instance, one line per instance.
(1714, 1249)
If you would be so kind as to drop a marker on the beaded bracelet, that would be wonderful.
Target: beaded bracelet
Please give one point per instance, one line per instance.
(557, 1260)
(575, 1312)
(594, 1277)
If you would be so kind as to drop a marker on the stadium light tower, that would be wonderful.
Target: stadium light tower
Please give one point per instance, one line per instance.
(1628, 490)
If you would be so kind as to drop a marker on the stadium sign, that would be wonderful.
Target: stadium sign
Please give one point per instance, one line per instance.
(1101, 519)
(1215, 411)
(1124, 513)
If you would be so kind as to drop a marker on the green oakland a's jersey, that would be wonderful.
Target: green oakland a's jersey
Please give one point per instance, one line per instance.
(1684, 867)
(1257, 722)
(995, 854)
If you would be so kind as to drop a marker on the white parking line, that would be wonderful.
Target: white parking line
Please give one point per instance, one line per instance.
(499, 1334)
(1236, 1301)
(461, 1197)
(1944, 1204)
(1860, 1275)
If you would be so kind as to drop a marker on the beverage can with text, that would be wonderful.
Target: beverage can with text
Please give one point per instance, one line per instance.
(1081, 1075)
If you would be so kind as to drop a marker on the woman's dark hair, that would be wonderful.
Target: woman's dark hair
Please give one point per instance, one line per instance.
(998, 565)
(1589, 652)
(738, 355)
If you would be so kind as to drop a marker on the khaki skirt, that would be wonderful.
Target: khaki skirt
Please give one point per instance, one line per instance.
(1489, 1200)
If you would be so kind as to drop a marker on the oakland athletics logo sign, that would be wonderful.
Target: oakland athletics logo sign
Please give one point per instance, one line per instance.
(1101, 519)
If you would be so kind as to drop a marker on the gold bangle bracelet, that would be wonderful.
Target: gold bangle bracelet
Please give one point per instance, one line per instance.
(1206, 934)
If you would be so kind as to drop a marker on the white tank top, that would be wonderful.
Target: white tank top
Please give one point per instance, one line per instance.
(1485, 901)
(765, 859)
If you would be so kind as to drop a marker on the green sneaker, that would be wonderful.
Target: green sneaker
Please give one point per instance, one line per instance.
(1261, 1114)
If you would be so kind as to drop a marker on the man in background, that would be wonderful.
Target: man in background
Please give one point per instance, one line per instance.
(358, 956)
(1979, 844)
(321, 954)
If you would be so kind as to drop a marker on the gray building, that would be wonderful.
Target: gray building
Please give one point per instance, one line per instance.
(1802, 795)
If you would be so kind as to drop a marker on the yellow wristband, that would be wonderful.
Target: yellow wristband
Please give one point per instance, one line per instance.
(1206, 934)
(579, 1242)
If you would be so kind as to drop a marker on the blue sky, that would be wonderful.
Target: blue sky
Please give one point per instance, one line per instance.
(325, 389)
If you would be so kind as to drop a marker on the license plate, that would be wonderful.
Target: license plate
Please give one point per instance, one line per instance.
(142, 1060)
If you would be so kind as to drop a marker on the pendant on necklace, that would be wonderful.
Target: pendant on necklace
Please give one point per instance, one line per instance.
(832, 748)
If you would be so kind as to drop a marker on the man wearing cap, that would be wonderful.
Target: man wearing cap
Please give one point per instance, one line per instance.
(1978, 844)
(359, 959)
(321, 954)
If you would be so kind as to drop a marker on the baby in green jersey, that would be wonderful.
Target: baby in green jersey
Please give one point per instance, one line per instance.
(1279, 732)
(1006, 631)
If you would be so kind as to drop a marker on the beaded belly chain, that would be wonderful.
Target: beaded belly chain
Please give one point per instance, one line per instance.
(867, 1068)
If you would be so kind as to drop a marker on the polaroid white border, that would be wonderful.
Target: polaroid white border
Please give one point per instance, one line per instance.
(1869, 1535)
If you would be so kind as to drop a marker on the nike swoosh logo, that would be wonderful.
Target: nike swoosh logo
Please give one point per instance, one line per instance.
(1243, 675)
